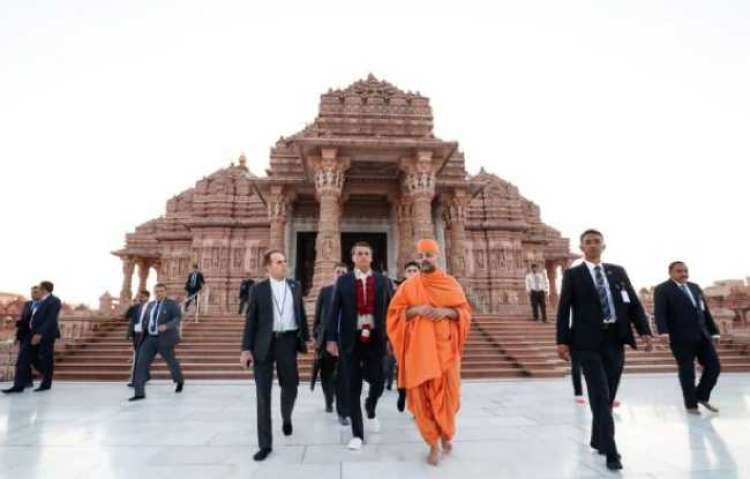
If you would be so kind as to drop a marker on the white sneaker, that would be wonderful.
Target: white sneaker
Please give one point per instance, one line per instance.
(355, 444)
(374, 424)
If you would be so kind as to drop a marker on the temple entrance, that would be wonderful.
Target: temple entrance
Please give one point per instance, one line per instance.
(305, 260)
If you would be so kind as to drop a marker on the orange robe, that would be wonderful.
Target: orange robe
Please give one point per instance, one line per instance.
(429, 352)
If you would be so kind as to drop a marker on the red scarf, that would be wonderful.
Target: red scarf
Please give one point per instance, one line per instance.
(365, 305)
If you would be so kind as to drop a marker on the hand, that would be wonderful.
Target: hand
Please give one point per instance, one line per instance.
(245, 359)
(36, 339)
(649, 344)
(421, 310)
(332, 348)
(563, 351)
(162, 327)
(716, 340)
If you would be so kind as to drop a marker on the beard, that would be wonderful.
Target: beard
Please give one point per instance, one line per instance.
(427, 267)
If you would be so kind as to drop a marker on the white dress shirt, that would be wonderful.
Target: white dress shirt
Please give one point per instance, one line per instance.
(283, 306)
(610, 299)
(363, 319)
(536, 282)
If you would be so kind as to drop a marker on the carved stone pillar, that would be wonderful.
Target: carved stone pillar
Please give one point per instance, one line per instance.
(419, 184)
(278, 209)
(406, 246)
(126, 293)
(454, 215)
(329, 183)
(551, 267)
(143, 269)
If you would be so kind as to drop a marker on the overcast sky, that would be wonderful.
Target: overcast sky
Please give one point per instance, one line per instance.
(631, 117)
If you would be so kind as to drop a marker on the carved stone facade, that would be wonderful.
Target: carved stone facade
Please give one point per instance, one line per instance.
(368, 166)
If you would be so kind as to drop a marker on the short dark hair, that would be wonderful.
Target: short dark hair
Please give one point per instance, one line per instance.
(534, 265)
(195, 265)
(146, 292)
(591, 231)
(411, 263)
(341, 265)
(269, 253)
(160, 285)
(675, 263)
(47, 286)
(361, 244)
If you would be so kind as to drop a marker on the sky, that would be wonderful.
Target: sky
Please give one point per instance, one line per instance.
(632, 117)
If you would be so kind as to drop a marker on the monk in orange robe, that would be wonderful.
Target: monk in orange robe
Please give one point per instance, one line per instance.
(428, 323)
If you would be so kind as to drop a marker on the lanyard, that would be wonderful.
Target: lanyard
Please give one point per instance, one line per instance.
(280, 310)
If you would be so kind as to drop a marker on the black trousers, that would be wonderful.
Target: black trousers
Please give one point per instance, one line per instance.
(575, 374)
(147, 351)
(602, 369)
(686, 353)
(137, 337)
(283, 354)
(334, 384)
(538, 302)
(365, 362)
(41, 356)
(194, 299)
(389, 370)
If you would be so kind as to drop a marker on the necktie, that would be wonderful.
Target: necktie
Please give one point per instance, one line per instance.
(192, 280)
(602, 290)
(152, 326)
(685, 290)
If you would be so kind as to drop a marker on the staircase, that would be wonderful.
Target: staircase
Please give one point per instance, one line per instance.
(498, 347)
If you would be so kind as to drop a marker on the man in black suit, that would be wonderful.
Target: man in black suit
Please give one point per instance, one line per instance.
(275, 331)
(331, 378)
(604, 308)
(193, 285)
(135, 315)
(681, 311)
(22, 323)
(356, 333)
(38, 344)
(161, 333)
(245, 286)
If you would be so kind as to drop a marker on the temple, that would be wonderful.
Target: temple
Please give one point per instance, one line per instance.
(367, 168)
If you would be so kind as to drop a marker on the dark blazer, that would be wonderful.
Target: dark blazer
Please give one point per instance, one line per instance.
(321, 313)
(259, 319)
(169, 315)
(245, 288)
(579, 299)
(198, 282)
(22, 323)
(342, 313)
(675, 314)
(44, 321)
(133, 314)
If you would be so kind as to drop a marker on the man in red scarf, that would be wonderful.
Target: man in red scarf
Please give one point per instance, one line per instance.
(428, 323)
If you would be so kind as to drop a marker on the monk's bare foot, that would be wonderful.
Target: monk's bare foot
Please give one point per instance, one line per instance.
(447, 446)
(433, 456)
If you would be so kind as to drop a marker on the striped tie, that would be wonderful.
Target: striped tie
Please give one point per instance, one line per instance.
(603, 298)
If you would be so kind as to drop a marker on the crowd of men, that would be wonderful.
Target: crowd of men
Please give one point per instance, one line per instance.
(368, 329)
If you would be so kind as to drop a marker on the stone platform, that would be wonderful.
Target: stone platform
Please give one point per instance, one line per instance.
(508, 428)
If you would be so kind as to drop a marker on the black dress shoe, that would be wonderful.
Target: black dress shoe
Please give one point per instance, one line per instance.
(401, 403)
(136, 398)
(329, 408)
(286, 429)
(131, 385)
(262, 454)
(613, 462)
(178, 389)
(42, 388)
(12, 390)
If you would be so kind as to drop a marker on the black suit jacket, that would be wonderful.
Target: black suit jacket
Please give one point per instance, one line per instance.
(580, 313)
(22, 323)
(321, 314)
(198, 283)
(259, 319)
(245, 288)
(169, 315)
(675, 314)
(45, 320)
(133, 314)
(342, 313)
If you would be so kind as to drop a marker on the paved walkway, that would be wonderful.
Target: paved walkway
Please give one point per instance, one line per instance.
(509, 429)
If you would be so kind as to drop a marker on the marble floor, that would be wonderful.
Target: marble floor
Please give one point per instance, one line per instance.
(506, 429)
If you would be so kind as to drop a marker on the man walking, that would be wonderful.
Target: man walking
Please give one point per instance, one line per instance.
(245, 286)
(597, 307)
(135, 315)
(681, 311)
(356, 334)
(160, 336)
(193, 285)
(536, 286)
(275, 331)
